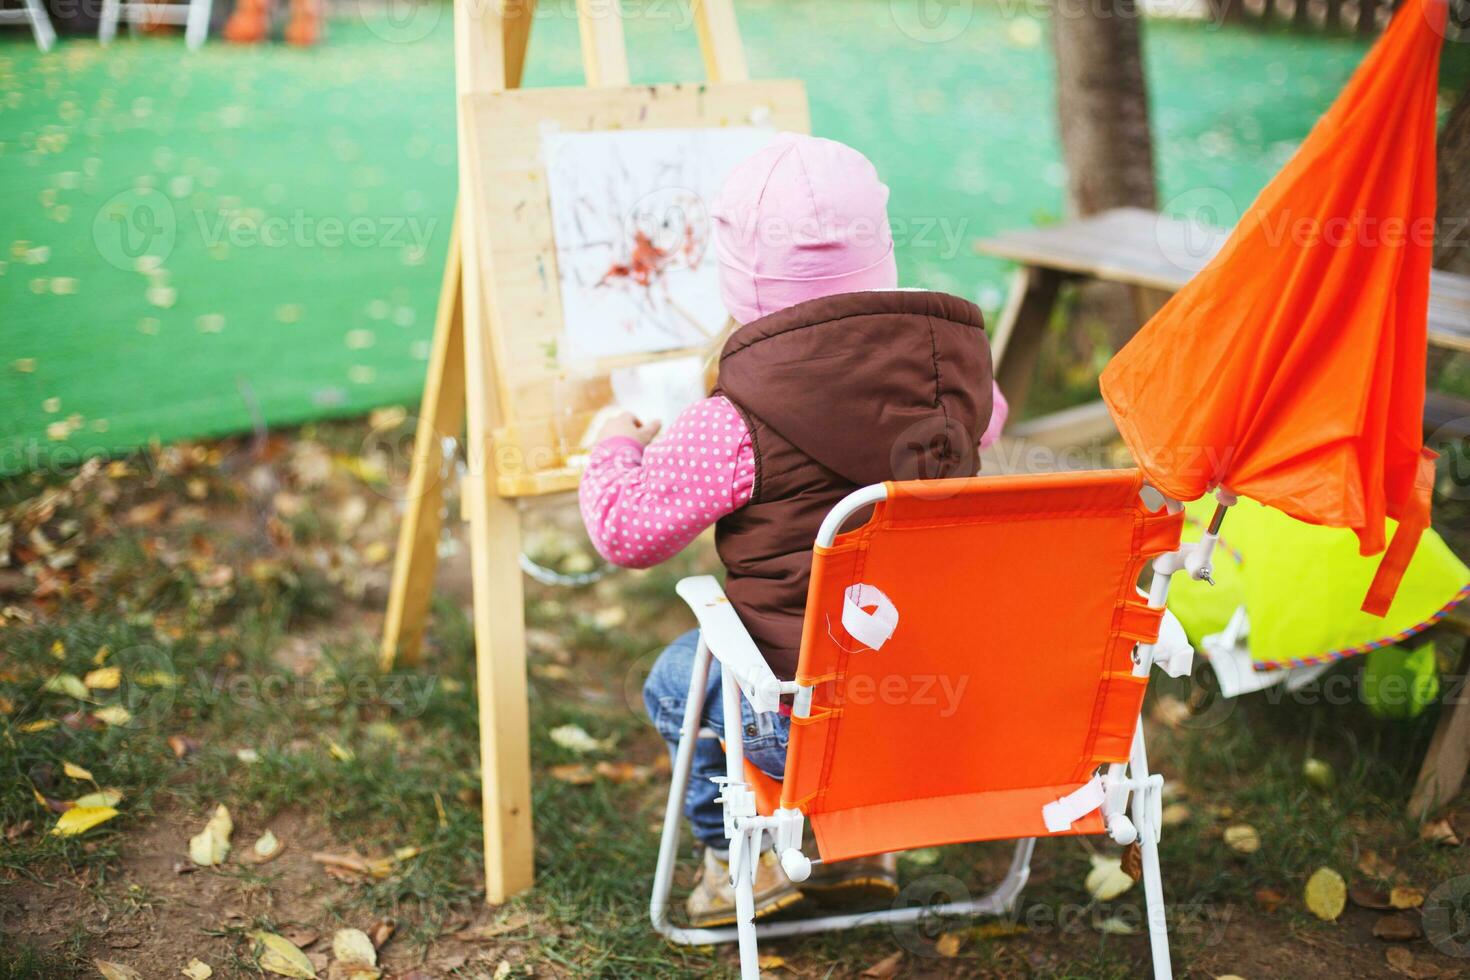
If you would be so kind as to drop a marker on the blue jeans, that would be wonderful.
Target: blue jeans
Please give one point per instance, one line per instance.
(765, 735)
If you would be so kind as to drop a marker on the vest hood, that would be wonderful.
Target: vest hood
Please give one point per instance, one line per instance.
(881, 385)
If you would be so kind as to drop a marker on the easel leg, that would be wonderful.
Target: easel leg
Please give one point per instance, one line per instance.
(1442, 774)
(490, 47)
(441, 415)
(1020, 331)
(500, 679)
(500, 628)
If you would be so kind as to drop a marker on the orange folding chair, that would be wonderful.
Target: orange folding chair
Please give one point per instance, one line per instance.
(1020, 594)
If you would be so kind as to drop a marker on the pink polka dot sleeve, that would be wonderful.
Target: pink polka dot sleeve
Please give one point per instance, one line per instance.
(642, 505)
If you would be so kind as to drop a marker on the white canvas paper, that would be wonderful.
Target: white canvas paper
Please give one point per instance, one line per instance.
(634, 251)
(659, 390)
(654, 392)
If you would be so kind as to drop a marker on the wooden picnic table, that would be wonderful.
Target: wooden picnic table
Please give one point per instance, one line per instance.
(1154, 255)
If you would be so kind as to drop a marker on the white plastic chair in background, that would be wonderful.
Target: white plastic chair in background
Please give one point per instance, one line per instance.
(192, 14)
(32, 12)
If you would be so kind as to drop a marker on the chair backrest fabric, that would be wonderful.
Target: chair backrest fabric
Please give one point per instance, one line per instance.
(1008, 678)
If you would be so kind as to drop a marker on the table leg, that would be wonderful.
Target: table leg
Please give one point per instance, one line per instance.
(1020, 331)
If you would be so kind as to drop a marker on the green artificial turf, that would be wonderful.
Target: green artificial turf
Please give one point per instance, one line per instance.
(192, 241)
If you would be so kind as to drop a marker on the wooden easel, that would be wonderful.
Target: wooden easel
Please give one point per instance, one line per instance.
(482, 372)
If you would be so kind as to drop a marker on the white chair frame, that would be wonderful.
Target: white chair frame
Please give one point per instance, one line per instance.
(744, 672)
(193, 15)
(32, 12)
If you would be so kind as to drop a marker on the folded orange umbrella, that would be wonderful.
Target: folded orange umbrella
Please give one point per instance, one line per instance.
(1291, 368)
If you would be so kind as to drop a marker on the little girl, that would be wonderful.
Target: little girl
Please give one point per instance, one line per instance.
(835, 380)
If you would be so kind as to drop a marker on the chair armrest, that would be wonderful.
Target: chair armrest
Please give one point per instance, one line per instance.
(730, 642)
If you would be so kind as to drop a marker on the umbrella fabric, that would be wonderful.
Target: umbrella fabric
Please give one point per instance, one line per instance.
(1291, 369)
(1301, 585)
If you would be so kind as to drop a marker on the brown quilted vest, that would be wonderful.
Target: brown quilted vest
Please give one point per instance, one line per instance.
(839, 393)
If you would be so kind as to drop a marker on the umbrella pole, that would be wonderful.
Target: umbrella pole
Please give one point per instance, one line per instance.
(1200, 561)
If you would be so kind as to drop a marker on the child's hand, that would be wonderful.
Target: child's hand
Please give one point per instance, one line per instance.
(626, 424)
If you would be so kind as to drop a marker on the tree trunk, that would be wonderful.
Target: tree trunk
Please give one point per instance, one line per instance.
(1102, 109)
(1102, 103)
(1452, 242)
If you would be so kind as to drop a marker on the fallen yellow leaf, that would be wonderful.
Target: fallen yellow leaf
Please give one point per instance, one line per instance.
(1242, 839)
(103, 797)
(197, 970)
(1115, 925)
(948, 945)
(80, 819)
(339, 753)
(1107, 879)
(1319, 773)
(280, 956)
(1405, 897)
(1326, 894)
(575, 774)
(100, 657)
(68, 684)
(1439, 832)
(352, 947)
(576, 739)
(116, 971)
(76, 772)
(40, 725)
(610, 618)
(103, 678)
(212, 844)
(1376, 867)
(1175, 814)
(113, 714)
(885, 968)
(266, 846)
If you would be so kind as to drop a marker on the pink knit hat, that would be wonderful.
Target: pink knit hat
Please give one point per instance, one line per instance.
(800, 219)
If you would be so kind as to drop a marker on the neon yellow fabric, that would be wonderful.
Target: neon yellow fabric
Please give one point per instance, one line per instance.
(1301, 585)
(1399, 683)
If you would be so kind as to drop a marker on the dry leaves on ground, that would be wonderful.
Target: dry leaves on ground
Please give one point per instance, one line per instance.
(80, 819)
(1242, 838)
(1326, 894)
(211, 845)
(1406, 964)
(1439, 832)
(1269, 899)
(574, 738)
(277, 954)
(1399, 928)
(354, 867)
(1107, 879)
(885, 968)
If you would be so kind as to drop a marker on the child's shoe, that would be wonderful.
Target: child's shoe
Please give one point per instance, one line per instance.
(712, 903)
(861, 881)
